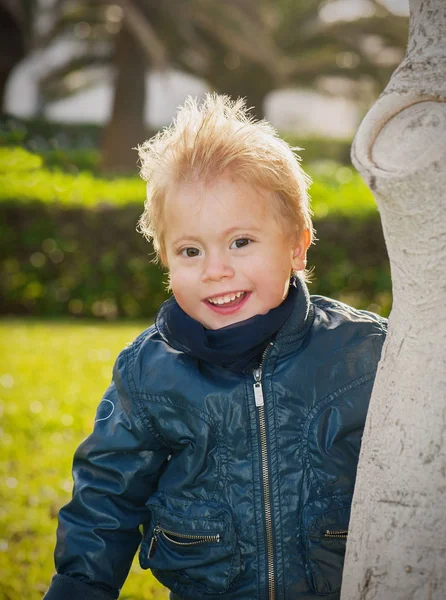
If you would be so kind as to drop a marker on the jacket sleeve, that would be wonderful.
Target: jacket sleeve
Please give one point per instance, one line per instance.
(115, 470)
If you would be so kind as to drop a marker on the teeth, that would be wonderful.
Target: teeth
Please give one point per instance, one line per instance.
(225, 299)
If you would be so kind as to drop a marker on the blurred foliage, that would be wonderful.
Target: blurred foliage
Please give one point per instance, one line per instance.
(50, 387)
(22, 185)
(317, 148)
(87, 159)
(351, 57)
(178, 33)
(15, 160)
(336, 190)
(68, 243)
(139, 36)
(68, 147)
(40, 135)
(245, 48)
(75, 147)
(241, 47)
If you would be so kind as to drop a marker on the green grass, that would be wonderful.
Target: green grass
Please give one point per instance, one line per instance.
(52, 377)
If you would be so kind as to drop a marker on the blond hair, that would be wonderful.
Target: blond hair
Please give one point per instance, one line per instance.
(206, 139)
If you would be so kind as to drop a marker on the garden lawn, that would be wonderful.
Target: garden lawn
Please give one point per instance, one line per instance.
(52, 377)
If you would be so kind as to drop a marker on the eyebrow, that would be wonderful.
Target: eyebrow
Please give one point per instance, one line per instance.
(225, 233)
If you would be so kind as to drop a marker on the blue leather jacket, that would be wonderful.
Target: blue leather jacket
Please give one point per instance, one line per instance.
(239, 484)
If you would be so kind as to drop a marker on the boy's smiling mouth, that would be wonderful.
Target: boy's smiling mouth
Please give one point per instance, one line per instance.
(227, 303)
(226, 298)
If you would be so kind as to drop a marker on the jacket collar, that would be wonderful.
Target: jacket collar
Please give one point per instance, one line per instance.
(292, 330)
(297, 325)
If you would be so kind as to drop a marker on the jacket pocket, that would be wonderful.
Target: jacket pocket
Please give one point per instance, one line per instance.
(326, 530)
(190, 545)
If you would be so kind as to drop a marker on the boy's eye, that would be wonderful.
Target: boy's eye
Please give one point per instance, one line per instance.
(240, 243)
(190, 252)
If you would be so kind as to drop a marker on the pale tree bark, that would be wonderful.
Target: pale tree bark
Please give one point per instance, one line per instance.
(397, 539)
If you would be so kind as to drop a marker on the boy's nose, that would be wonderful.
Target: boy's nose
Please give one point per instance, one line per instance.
(216, 269)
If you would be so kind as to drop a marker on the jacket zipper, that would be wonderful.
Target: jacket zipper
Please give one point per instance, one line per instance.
(260, 402)
(336, 534)
(194, 540)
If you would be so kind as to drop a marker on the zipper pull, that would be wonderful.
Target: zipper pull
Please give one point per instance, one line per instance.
(258, 392)
(153, 541)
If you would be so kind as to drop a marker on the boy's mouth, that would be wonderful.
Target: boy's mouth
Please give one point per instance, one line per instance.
(227, 299)
(227, 302)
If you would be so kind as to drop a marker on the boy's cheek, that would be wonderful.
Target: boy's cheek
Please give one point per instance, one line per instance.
(181, 286)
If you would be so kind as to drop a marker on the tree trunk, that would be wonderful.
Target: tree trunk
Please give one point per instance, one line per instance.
(243, 79)
(12, 49)
(397, 539)
(243, 86)
(126, 128)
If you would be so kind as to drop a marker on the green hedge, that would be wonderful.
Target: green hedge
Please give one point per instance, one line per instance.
(68, 243)
(24, 177)
(82, 261)
(68, 147)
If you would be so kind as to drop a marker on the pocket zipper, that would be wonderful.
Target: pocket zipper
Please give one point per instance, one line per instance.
(194, 539)
(329, 533)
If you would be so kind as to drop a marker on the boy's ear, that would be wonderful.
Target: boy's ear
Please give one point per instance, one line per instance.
(299, 259)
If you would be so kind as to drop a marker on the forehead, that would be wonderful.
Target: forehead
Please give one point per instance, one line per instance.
(228, 199)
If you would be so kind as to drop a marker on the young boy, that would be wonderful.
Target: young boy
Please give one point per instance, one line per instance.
(231, 430)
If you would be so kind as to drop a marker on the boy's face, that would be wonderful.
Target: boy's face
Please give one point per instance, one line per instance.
(228, 254)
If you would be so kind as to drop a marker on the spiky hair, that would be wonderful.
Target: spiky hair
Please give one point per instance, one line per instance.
(204, 140)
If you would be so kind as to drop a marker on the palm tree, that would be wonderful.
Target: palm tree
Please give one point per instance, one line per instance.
(242, 47)
(312, 48)
(136, 35)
